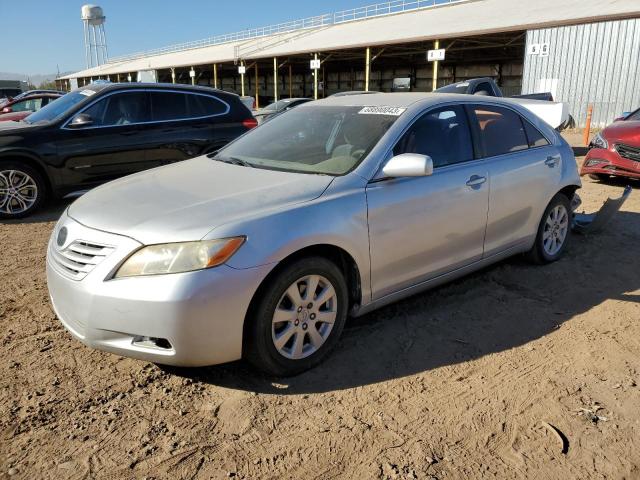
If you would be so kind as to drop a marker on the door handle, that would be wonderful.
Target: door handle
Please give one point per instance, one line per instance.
(476, 180)
(551, 161)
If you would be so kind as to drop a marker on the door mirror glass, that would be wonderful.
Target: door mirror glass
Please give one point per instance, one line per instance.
(81, 120)
(408, 165)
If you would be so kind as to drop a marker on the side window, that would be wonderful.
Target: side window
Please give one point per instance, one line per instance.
(443, 134)
(120, 109)
(500, 130)
(204, 106)
(484, 89)
(536, 139)
(169, 106)
(30, 105)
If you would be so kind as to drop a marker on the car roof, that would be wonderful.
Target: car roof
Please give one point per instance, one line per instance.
(99, 87)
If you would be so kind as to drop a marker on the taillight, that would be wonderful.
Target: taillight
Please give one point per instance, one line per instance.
(250, 123)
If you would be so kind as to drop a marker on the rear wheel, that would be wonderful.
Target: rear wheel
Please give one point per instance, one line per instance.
(22, 189)
(553, 233)
(299, 318)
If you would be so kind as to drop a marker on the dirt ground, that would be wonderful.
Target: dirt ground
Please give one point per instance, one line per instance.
(459, 382)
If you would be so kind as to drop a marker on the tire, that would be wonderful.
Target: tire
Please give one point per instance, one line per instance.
(26, 199)
(543, 250)
(599, 177)
(298, 321)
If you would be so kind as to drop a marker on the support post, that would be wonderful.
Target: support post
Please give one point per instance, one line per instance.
(173, 75)
(315, 79)
(242, 78)
(436, 46)
(290, 81)
(257, 88)
(587, 128)
(367, 71)
(275, 79)
(215, 75)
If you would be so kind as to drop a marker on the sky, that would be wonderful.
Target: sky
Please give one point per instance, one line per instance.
(42, 36)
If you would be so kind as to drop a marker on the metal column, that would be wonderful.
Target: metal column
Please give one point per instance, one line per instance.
(215, 75)
(257, 88)
(367, 72)
(436, 46)
(173, 75)
(315, 79)
(242, 78)
(275, 79)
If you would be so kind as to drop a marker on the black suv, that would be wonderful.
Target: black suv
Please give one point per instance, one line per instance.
(103, 131)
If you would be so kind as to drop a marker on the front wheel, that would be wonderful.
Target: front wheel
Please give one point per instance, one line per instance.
(553, 232)
(22, 190)
(299, 318)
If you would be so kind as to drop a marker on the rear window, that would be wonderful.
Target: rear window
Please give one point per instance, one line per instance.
(500, 129)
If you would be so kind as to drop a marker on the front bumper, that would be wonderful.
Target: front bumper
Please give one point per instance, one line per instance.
(608, 162)
(198, 316)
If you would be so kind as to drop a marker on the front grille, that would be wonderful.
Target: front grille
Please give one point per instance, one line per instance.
(628, 152)
(78, 258)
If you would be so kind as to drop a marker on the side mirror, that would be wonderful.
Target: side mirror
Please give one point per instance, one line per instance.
(7, 110)
(409, 165)
(81, 120)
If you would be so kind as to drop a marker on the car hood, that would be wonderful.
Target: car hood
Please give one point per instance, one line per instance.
(12, 127)
(624, 131)
(186, 200)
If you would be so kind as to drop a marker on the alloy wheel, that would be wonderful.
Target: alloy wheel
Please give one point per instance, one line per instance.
(555, 231)
(18, 192)
(304, 317)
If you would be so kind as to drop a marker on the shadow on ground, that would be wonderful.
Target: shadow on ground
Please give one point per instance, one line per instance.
(497, 309)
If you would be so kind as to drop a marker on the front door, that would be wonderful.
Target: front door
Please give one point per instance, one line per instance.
(113, 145)
(423, 227)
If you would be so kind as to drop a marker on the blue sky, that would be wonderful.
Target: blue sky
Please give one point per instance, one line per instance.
(38, 35)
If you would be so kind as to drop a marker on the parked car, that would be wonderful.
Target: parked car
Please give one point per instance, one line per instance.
(100, 132)
(353, 92)
(20, 108)
(615, 151)
(555, 114)
(278, 107)
(336, 208)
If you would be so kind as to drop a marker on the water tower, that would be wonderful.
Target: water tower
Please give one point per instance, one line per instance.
(95, 40)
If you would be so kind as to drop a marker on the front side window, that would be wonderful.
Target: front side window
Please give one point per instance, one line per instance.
(328, 140)
(443, 134)
(500, 130)
(120, 109)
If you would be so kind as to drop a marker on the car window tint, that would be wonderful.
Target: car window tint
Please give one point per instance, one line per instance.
(120, 109)
(536, 139)
(443, 134)
(204, 106)
(500, 130)
(169, 106)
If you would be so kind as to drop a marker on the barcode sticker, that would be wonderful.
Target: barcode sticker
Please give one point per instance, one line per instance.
(394, 111)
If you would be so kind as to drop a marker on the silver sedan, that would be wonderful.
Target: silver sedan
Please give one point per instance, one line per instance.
(263, 249)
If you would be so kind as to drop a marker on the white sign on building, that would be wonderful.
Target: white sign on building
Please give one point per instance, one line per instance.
(435, 55)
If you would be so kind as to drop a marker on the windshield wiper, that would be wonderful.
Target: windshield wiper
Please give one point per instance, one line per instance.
(234, 161)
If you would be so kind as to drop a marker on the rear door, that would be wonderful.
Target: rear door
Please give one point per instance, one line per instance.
(423, 227)
(523, 167)
(187, 124)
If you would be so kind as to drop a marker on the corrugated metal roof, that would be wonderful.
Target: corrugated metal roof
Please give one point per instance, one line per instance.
(474, 17)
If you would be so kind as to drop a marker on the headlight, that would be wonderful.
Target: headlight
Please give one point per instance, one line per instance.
(179, 257)
(599, 142)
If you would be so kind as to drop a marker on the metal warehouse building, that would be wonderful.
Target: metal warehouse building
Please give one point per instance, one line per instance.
(585, 52)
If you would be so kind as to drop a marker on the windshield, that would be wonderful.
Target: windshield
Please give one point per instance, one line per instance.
(57, 108)
(328, 140)
(634, 116)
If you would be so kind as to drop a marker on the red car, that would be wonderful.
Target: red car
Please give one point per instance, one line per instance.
(615, 150)
(16, 110)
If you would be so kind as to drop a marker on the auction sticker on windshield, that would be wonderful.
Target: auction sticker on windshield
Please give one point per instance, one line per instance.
(394, 111)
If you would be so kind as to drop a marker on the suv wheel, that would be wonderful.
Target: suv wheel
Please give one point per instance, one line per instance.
(553, 233)
(299, 318)
(22, 189)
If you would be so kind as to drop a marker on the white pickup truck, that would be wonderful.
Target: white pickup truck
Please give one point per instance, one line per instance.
(555, 114)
